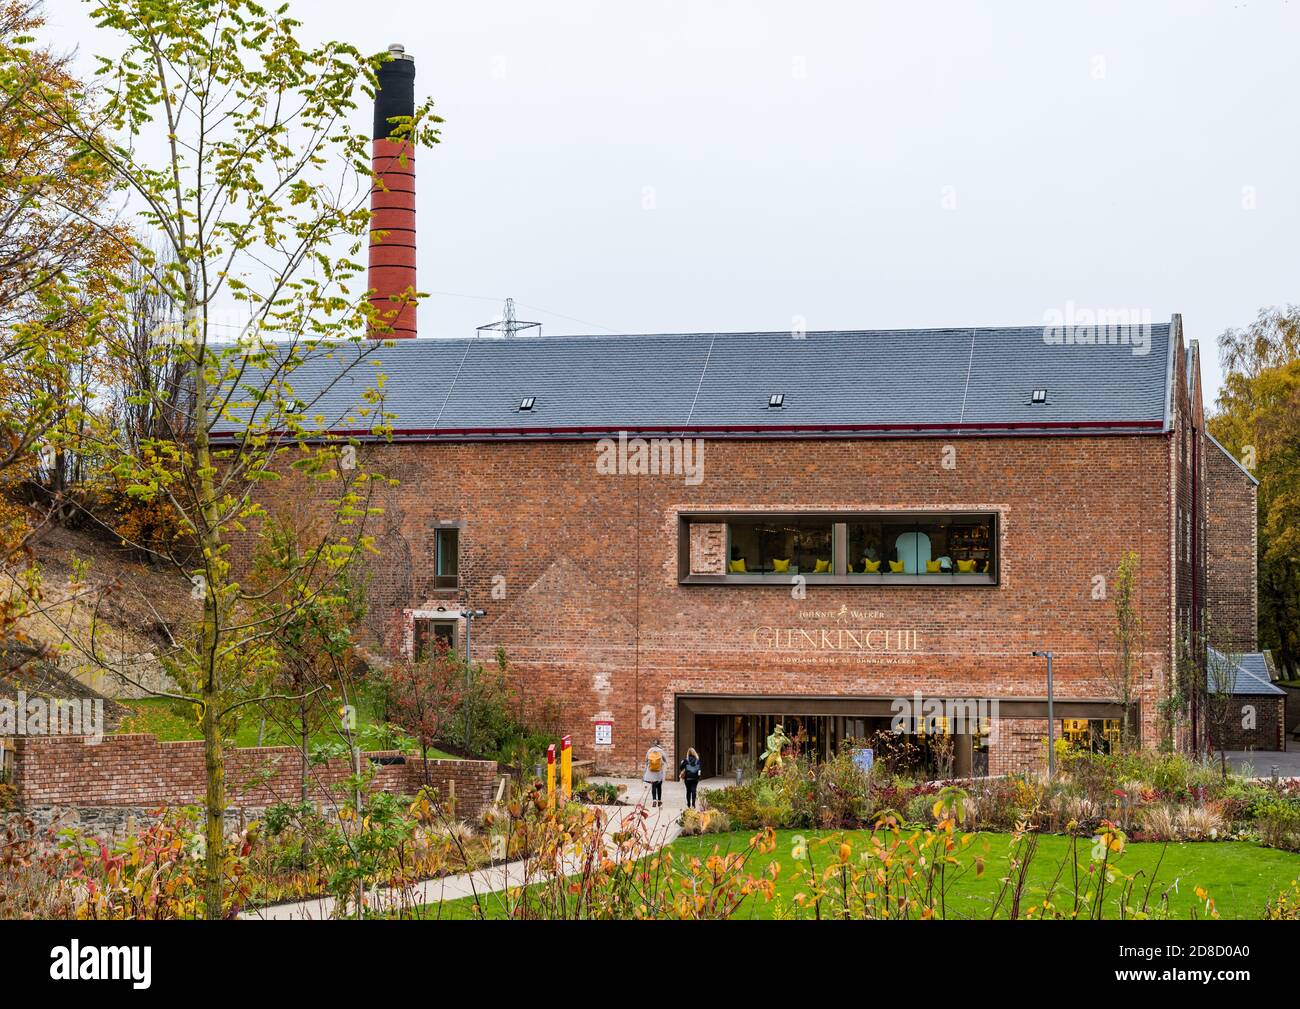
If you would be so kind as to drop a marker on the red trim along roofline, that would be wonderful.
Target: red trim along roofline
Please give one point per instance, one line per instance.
(758, 431)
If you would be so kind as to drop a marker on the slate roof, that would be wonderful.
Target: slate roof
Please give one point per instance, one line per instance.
(858, 383)
(1250, 675)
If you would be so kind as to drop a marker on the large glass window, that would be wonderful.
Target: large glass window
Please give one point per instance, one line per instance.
(903, 548)
(943, 545)
(781, 546)
(1100, 735)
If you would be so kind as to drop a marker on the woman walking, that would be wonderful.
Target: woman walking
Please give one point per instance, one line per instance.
(690, 772)
(655, 762)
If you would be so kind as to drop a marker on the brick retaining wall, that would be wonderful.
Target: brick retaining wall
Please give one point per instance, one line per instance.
(138, 770)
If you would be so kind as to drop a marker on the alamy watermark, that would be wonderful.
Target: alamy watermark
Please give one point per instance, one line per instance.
(955, 715)
(626, 456)
(1100, 327)
(75, 962)
(52, 716)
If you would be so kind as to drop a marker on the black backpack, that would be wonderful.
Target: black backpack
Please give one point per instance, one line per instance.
(692, 768)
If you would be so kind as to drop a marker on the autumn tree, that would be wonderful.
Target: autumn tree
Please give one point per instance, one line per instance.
(59, 249)
(235, 144)
(149, 402)
(426, 696)
(1257, 419)
(309, 686)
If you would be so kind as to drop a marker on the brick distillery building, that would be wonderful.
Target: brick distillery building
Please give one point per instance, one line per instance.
(692, 537)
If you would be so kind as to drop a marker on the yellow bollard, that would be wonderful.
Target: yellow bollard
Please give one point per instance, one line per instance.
(550, 775)
(566, 767)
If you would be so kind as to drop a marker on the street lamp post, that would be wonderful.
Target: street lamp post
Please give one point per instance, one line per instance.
(1051, 720)
(468, 616)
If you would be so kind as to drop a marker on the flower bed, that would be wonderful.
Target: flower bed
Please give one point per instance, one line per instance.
(1151, 796)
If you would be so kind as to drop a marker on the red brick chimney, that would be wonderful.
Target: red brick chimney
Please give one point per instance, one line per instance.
(392, 204)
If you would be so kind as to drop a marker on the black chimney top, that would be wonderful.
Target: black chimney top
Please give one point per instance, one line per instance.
(396, 94)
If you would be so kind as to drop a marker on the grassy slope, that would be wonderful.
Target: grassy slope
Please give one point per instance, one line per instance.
(169, 721)
(1240, 876)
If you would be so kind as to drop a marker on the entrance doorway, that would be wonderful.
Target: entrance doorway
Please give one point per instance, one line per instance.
(728, 741)
(730, 734)
(730, 731)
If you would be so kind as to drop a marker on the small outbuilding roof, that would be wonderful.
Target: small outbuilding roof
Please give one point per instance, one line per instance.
(1250, 674)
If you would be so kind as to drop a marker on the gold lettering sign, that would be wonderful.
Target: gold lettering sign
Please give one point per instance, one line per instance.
(836, 639)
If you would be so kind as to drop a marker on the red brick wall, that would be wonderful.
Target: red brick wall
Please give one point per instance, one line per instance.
(1187, 523)
(1232, 585)
(138, 770)
(1018, 745)
(578, 572)
(1269, 732)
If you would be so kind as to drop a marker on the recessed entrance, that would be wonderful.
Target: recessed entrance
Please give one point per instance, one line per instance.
(726, 742)
(731, 732)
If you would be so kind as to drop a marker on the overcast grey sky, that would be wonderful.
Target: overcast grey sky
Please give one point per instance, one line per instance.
(700, 166)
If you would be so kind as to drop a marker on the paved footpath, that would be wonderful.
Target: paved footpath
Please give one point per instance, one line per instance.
(1261, 763)
(662, 826)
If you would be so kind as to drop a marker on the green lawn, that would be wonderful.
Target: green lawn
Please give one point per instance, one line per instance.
(1240, 876)
(171, 721)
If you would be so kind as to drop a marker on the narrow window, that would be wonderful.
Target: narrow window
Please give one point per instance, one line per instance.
(447, 558)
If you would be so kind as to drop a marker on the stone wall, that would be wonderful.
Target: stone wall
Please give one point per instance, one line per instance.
(113, 823)
(137, 770)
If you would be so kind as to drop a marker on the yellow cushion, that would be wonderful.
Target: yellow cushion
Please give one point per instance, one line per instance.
(872, 565)
(823, 567)
(966, 567)
(896, 566)
(781, 565)
(932, 566)
(736, 567)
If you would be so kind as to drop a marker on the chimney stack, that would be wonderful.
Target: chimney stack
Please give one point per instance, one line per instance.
(392, 255)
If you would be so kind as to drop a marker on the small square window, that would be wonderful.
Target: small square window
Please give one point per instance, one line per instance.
(776, 401)
(527, 403)
(1039, 396)
(432, 635)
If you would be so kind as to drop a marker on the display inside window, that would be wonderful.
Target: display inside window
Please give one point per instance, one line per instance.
(1098, 735)
(961, 545)
(781, 546)
(898, 548)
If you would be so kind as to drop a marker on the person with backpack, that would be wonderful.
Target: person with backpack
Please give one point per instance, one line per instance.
(655, 761)
(690, 772)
